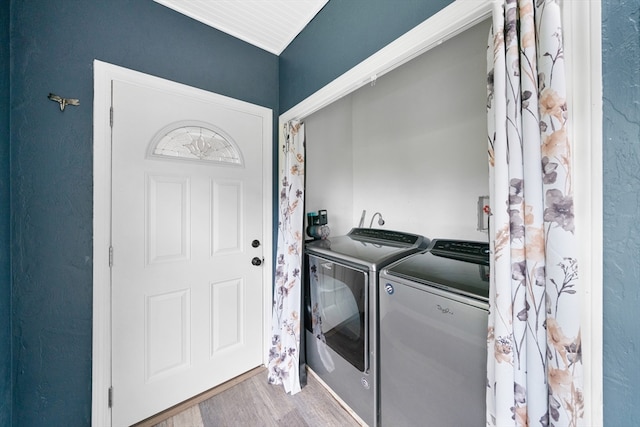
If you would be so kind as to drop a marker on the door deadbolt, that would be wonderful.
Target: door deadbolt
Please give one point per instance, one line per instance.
(255, 243)
(256, 261)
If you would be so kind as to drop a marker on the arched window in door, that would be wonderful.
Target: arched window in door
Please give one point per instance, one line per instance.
(195, 141)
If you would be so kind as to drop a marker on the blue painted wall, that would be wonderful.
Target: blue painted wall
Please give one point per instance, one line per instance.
(341, 36)
(621, 188)
(54, 43)
(5, 283)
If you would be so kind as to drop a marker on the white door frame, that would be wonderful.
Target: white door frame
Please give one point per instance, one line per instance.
(583, 54)
(104, 73)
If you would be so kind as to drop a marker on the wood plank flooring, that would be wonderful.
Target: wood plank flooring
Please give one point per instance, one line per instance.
(255, 403)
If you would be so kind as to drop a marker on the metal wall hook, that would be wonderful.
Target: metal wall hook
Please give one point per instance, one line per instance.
(63, 101)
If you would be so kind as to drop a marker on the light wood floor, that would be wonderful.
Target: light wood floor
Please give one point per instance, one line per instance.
(252, 402)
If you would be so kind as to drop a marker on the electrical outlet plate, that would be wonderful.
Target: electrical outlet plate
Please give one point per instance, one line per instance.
(483, 213)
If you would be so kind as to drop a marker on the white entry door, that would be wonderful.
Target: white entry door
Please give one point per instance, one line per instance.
(187, 231)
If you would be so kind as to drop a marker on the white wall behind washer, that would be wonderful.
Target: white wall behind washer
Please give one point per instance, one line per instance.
(412, 146)
(329, 165)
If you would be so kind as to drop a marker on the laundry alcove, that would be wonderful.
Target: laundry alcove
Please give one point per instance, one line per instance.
(411, 144)
(582, 48)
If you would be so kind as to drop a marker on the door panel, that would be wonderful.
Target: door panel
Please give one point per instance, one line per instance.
(227, 216)
(168, 216)
(168, 342)
(226, 300)
(186, 300)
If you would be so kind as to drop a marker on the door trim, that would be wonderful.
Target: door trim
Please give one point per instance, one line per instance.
(582, 25)
(104, 73)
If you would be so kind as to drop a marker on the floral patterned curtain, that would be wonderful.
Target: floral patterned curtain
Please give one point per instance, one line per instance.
(534, 348)
(284, 355)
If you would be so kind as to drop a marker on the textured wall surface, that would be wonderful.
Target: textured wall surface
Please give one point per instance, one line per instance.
(341, 36)
(54, 44)
(5, 283)
(621, 189)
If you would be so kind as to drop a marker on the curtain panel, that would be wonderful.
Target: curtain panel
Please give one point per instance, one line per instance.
(285, 352)
(534, 361)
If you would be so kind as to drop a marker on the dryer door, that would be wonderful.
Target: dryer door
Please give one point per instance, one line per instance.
(339, 300)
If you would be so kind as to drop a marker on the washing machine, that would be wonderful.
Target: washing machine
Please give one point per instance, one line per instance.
(433, 314)
(341, 298)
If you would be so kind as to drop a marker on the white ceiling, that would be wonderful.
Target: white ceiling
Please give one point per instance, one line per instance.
(267, 24)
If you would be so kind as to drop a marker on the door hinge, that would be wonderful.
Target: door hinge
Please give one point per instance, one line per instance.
(110, 397)
(110, 256)
(111, 117)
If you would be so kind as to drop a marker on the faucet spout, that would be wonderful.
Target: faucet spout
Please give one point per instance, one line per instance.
(380, 220)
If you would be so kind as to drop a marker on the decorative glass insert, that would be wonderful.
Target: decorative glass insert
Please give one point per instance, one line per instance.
(195, 141)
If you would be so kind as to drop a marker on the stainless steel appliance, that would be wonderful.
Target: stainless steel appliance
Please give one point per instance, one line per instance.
(433, 336)
(341, 304)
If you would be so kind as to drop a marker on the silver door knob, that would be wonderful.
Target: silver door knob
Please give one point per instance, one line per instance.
(256, 261)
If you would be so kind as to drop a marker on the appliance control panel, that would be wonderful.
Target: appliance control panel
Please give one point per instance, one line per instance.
(461, 249)
(386, 236)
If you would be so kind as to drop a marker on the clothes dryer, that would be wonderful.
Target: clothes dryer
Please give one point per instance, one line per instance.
(341, 299)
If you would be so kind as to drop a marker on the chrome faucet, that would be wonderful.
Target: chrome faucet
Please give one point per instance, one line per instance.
(380, 220)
